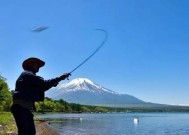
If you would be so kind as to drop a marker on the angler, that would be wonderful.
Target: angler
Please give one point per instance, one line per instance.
(30, 88)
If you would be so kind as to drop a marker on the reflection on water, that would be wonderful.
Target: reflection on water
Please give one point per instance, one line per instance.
(121, 123)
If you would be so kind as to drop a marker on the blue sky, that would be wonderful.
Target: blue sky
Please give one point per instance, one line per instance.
(146, 54)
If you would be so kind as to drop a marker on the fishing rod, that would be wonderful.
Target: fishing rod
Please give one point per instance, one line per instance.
(97, 49)
(42, 28)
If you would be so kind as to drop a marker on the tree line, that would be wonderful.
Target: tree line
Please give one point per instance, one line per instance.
(50, 105)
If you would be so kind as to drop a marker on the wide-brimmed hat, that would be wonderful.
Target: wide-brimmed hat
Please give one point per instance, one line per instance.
(32, 60)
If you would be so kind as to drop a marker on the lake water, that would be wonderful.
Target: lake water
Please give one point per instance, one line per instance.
(120, 123)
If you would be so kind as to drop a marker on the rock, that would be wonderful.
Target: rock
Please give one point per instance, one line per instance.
(1, 127)
(11, 133)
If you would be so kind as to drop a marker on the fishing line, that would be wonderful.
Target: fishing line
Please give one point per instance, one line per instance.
(90, 56)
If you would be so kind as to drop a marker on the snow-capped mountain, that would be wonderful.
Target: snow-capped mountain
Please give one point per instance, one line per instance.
(84, 91)
(83, 84)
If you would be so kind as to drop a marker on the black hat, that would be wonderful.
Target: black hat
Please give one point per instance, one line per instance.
(32, 60)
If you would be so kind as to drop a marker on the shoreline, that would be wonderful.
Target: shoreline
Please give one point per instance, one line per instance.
(43, 128)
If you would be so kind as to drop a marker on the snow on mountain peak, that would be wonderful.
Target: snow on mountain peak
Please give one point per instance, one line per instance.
(82, 80)
(83, 84)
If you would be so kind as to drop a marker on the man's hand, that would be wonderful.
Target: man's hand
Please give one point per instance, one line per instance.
(64, 76)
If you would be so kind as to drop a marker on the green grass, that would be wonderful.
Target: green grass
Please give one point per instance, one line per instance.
(8, 123)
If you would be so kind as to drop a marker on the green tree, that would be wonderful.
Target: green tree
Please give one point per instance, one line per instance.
(59, 107)
(85, 109)
(100, 109)
(76, 107)
(49, 105)
(5, 95)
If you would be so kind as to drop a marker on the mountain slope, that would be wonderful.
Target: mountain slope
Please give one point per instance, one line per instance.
(84, 91)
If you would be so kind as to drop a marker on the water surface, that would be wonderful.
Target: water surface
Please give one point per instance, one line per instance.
(121, 123)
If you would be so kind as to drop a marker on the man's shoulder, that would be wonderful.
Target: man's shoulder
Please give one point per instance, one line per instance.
(29, 74)
(26, 72)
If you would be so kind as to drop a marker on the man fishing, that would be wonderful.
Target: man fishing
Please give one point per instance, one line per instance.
(30, 88)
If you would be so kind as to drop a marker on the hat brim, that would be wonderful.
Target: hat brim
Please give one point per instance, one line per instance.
(32, 60)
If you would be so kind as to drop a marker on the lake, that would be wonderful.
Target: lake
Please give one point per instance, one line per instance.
(120, 123)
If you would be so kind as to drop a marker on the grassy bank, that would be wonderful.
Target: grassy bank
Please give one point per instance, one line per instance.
(7, 122)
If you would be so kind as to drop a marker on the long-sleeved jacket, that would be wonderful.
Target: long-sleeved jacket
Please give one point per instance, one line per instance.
(30, 87)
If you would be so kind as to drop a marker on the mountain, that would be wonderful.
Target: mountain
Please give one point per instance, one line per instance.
(86, 92)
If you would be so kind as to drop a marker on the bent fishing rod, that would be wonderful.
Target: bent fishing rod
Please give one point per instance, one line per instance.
(42, 28)
(97, 49)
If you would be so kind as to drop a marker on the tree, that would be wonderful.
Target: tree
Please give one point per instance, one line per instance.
(5, 95)
(100, 109)
(76, 107)
(85, 109)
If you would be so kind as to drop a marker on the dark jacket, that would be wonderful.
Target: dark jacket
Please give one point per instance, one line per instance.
(31, 87)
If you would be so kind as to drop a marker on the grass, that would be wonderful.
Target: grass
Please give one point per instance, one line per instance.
(8, 123)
